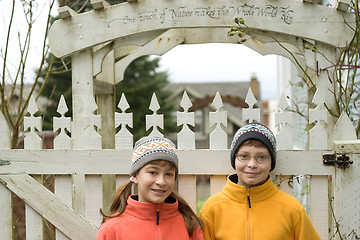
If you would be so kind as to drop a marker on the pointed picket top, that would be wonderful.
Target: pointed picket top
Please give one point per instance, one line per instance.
(123, 139)
(123, 104)
(62, 123)
(32, 140)
(186, 137)
(154, 120)
(344, 129)
(250, 98)
(250, 114)
(283, 104)
(32, 107)
(217, 102)
(31, 121)
(185, 102)
(218, 137)
(62, 107)
(154, 104)
(283, 122)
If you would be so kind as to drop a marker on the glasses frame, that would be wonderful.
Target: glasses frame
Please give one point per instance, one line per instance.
(260, 158)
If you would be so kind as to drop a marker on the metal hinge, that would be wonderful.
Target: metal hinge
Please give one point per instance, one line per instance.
(4, 162)
(341, 160)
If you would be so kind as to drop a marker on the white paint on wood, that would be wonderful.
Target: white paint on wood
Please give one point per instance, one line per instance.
(284, 120)
(49, 206)
(62, 123)
(78, 193)
(5, 140)
(118, 162)
(250, 114)
(218, 137)
(6, 213)
(154, 120)
(157, 46)
(32, 140)
(319, 198)
(94, 199)
(186, 137)
(123, 139)
(67, 37)
(347, 197)
(62, 189)
(217, 182)
(187, 189)
(83, 133)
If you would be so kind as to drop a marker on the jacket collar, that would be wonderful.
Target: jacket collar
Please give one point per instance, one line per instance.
(257, 193)
(148, 211)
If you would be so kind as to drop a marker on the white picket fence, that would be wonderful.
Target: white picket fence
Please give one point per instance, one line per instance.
(74, 206)
(137, 28)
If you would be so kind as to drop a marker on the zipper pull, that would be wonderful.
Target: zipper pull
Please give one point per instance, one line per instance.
(248, 198)
(157, 215)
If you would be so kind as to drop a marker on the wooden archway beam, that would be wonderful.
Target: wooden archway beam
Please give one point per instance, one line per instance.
(77, 32)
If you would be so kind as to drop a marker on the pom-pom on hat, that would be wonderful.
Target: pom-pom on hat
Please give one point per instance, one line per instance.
(254, 131)
(148, 149)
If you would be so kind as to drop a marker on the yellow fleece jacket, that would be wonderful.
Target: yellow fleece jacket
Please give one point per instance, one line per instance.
(259, 213)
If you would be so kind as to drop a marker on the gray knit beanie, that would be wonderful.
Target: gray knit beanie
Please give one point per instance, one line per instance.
(148, 149)
(258, 132)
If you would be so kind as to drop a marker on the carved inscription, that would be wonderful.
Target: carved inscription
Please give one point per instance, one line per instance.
(170, 14)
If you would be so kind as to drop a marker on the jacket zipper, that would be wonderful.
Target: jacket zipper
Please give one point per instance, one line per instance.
(157, 227)
(248, 214)
(157, 215)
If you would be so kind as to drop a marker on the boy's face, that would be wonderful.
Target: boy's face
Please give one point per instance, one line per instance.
(155, 181)
(251, 172)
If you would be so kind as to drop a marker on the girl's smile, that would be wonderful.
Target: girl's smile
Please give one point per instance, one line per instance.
(155, 181)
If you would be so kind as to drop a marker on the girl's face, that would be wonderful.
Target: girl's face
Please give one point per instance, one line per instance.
(252, 172)
(155, 181)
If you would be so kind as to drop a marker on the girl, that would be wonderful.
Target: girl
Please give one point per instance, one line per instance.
(156, 212)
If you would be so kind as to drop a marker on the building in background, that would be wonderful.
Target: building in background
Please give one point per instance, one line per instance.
(201, 95)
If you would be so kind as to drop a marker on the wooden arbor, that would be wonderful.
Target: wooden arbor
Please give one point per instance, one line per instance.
(104, 41)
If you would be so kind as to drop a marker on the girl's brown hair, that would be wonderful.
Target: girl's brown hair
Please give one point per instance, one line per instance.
(119, 203)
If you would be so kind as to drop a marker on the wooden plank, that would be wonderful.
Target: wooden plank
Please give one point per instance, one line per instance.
(78, 193)
(217, 182)
(49, 206)
(289, 18)
(187, 189)
(62, 189)
(117, 162)
(94, 199)
(319, 204)
(347, 197)
(34, 222)
(6, 213)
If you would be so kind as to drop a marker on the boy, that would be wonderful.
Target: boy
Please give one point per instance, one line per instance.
(250, 206)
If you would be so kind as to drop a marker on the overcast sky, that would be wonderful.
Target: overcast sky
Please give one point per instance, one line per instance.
(185, 63)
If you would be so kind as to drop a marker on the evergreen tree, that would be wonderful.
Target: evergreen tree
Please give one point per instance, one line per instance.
(141, 80)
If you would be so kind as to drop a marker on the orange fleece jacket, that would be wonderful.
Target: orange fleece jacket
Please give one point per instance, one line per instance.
(260, 213)
(148, 221)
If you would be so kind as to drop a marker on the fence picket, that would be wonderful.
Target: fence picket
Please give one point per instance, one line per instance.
(186, 137)
(218, 137)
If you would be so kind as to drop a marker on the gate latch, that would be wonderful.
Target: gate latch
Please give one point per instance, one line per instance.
(342, 160)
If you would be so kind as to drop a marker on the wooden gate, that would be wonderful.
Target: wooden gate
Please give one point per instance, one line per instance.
(126, 31)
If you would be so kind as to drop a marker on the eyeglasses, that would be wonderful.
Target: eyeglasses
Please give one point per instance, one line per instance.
(244, 158)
